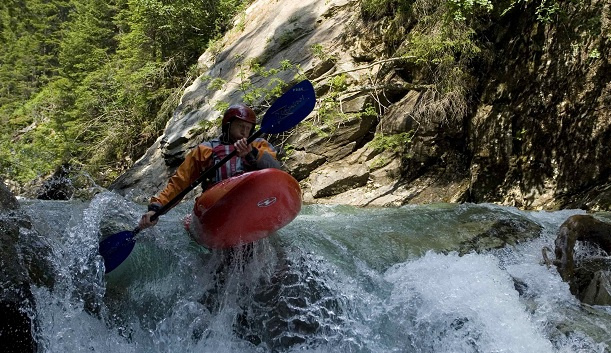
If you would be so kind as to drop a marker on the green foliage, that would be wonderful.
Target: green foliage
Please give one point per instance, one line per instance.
(275, 88)
(594, 54)
(289, 150)
(379, 162)
(370, 110)
(29, 155)
(217, 84)
(221, 106)
(253, 95)
(88, 38)
(93, 82)
(256, 68)
(447, 54)
(546, 10)
(328, 117)
(375, 9)
(438, 40)
(329, 114)
(339, 83)
(286, 65)
(396, 143)
(318, 51)
(204, 125)
(31, 31)
(461, 9)
(519, 136)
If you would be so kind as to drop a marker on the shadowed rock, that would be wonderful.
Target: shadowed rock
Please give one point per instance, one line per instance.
(292, 307)
(588, 278)
(22, 263)
(58, 186)
(502, 232)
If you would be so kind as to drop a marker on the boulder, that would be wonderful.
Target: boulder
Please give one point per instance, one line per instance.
(337, 178)
(502, 232)
(588, 276)
(334, 142)
(302, 163)
(593, 278)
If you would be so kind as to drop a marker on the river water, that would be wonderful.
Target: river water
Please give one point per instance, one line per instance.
(337, 279)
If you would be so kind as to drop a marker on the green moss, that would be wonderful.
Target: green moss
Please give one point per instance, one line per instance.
(379, 163)
(289, 150)
(339, 83)
(395, 143)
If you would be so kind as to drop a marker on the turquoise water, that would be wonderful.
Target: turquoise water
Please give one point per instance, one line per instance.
(337, 279)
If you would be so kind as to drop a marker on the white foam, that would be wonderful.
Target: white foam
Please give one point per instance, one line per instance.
(463, 304)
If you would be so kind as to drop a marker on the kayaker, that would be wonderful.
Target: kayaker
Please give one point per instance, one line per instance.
(237, 125)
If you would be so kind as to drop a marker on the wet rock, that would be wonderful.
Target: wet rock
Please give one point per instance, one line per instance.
(7, 200)
(290, 307)
(595, 280)
(588, 276)
(15, 330)
(293, 308)
(23, 255)
(58, 186)
(501, 233)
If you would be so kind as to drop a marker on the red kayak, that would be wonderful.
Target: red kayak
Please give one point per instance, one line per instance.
(245, 208)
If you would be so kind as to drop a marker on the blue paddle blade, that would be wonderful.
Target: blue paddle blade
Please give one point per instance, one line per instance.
(116, 248)
(290, 109)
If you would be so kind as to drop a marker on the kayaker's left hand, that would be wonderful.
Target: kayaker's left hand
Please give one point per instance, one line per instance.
(145, 220)
(242, 147)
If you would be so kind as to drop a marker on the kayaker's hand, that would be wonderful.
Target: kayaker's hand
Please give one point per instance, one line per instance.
(145, 220)
(242, 147)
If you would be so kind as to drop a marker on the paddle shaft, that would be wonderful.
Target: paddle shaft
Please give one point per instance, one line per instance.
(201, 178)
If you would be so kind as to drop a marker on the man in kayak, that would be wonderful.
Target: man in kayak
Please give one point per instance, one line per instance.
(237, 125)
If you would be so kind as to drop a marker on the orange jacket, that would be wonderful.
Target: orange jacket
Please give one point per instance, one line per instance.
(197, 161)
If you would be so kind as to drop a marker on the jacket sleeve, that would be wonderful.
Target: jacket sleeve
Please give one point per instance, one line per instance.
(197, 160)
(266, 155)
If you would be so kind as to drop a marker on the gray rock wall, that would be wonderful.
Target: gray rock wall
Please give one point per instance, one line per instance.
(535, 132)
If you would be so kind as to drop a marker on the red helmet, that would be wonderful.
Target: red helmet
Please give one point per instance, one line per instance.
(239, 111)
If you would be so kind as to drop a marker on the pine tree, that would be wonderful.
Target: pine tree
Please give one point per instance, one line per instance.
(88, 38)
(84, 80)
(30, 41)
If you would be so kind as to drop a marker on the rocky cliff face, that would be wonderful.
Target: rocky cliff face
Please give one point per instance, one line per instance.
(532, 130)
(541, 132)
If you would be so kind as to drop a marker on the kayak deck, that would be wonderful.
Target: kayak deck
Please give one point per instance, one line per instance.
(245, 208)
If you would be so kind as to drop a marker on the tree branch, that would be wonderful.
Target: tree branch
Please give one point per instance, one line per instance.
(362, 67)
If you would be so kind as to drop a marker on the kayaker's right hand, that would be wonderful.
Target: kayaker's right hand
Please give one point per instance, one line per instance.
(242, 147)
(145, 220)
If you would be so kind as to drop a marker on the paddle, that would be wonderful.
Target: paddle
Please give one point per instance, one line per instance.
(287, 111)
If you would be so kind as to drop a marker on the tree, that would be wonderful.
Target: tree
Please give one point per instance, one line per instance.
(86, 79)
(88, 38)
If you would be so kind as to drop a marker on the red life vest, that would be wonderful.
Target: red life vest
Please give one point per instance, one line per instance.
(233, 167)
